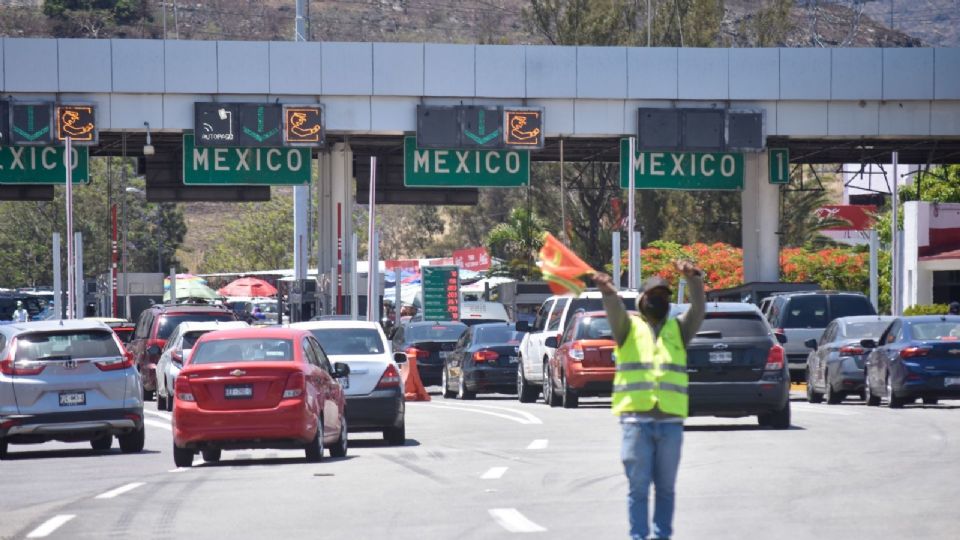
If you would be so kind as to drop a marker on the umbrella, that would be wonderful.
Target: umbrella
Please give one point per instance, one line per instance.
(248, 286)
(191, 289)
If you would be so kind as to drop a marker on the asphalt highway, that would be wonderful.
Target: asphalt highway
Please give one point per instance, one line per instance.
(494, 468)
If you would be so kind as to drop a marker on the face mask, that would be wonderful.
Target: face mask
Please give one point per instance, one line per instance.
(655, 307)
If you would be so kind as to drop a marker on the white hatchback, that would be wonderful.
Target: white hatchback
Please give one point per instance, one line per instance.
(373, 388)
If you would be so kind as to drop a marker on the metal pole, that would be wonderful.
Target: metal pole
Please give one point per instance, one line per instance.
(159, 243)
(563, 197)
(79, 295)
(354, 278)
(123, 219)
(874, 250)
(649, 19)
(397, 296)
(339, 284)
(631, 215)
(638, 275)
(615, 249)
(71, 272)
(372, 266)
(895, 244)
(114, 307)
(173, 285)
(301, 196)
(681, 290)
(57, 285)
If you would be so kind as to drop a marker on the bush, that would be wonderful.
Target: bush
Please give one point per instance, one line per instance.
(933, 309)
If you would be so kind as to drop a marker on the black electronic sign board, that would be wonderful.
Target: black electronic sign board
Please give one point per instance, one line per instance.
(78, 122)
(261, 125)
(31, 124)
(215, 124)
(303, 125)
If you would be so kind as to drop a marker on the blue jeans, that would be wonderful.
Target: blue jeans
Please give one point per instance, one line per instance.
(651, 451)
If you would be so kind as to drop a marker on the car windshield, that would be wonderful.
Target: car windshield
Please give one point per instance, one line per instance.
(190, 338)
(865, 330)
(735, 325)
(349, 340)
(595, 328)
(474, 322)
(807, 312)
(76, 344)
(435, 332)
(243, 350)
(936, 330)
(497, 334)
(846, 306)
(169, 322)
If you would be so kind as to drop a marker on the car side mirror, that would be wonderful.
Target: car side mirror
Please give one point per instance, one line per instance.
(811, 344)
(340, 370)
(522, 326)
(551, 342)
(781, 337)
(400, 358)
(153, 350)
(868, 344)
(177, 358)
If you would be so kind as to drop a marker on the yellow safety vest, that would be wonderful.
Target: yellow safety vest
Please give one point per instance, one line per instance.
(651, 374)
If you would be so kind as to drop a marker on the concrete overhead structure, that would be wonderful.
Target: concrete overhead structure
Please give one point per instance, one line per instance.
(821, 103)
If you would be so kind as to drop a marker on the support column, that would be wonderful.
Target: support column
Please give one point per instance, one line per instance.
(760, 204)
(342, 193)
(326, 240)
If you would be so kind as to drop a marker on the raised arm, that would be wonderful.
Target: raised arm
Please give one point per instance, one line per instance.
(691, 320)
(616, 311)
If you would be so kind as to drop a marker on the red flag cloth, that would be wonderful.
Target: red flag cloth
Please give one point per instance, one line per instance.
(561, 268)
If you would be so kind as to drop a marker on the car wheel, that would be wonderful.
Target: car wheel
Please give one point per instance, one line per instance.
(182, 457)
(211, 455)
(147, 394)
(525, 392)
(833, 397)
(131, 443)
(3, 449)
(569, 397)
(445, 384)
(549, 396)
(161, 402)
(777, 419)
(396, 435)
(314, 448)
(462, 392)
(893, 401)
(340, 449)
(871, 399)
(930, 401)
(102, 443)
(812, 395)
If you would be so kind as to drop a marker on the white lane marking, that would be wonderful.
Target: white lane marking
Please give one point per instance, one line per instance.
(828, 409)
(538, 444)
(162, 425)
(530, 417)
(179, 469)
(521, 420)
(164, 415)
(50, 525)
(494, 473)
(119, 491)
(512, 520)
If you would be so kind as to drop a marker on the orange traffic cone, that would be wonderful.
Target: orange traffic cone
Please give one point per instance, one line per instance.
(413, 389)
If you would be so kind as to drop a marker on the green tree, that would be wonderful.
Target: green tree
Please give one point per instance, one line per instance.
(517, 241)
(91, 18)
(940, 184)
(262, 243)
(408, 231)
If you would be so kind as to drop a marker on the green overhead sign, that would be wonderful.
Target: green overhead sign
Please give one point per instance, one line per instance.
(244, 166)
(441, 293)
(42, 165)
(430, 167)
(779, 165)
(682, 170)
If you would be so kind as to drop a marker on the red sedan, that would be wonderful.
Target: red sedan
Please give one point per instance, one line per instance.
(583, 364)
(258, 388)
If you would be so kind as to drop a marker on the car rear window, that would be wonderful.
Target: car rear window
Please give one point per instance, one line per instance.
(735, 325)
(349, 340)
(497, 334)
(168, 323)
(935, 330)
(436, 332)
(243, 350)
(595, 328)
(190, 338)
(806, 312)
(865, 330)
(75, 344)
(848, 306)
(596, 304)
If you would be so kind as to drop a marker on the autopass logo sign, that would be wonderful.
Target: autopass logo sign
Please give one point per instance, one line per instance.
(476, 259)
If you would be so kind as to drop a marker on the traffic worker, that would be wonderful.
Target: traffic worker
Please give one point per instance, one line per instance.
(21, 314)
(650, 392)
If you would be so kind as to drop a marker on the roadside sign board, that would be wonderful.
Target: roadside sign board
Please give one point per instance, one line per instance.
(214, 124)
(523, 128)
(682, 170)
(476, 259)
(441, 293)
(479, 127)
(244, 166)
(31, 123)
(303, 125)
(42, 165)
(79, 122)
(429, 167)
(779, 163)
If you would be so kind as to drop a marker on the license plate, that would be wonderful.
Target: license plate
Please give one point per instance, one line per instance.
(514, 359)
(951, 381)
(238, 391)
(73, 399)
(721, 357)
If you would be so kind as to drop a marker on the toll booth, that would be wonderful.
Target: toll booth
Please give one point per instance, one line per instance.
(522, 299)
(142, 291)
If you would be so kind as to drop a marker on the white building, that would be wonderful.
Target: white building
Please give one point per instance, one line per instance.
(931, 253)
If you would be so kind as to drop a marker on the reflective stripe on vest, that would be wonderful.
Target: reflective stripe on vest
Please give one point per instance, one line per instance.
(651, 373)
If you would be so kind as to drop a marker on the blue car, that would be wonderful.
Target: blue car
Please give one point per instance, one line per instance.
(915, 357)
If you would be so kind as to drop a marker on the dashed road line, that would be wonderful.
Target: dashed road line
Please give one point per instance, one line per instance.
(538, 444)
(50, 525)
(494, 473)
(520, 418)
(119, 491)
(513, 521)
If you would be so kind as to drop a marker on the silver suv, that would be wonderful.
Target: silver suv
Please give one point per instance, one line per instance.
(68, 381)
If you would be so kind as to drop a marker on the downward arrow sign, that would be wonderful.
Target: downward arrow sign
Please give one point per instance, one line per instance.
(482, 137)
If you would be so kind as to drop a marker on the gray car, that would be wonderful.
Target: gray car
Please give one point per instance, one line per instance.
(835, 366)
(68, 381)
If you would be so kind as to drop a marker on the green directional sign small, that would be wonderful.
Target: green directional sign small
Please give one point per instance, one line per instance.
(441, 293)
(260, 125)
(682, 170)
(31, 124)
(431, 167)
(779, 165)
(481, 126)
(206, 165)
(42, 165)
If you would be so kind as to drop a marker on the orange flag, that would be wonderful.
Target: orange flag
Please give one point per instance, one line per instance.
(561, 267)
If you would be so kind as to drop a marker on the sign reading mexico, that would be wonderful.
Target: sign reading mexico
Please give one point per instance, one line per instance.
(430, 167)
(42, 165)
(244, 166)
(682, 170)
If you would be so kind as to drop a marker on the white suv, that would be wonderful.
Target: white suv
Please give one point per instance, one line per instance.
(552, 319)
